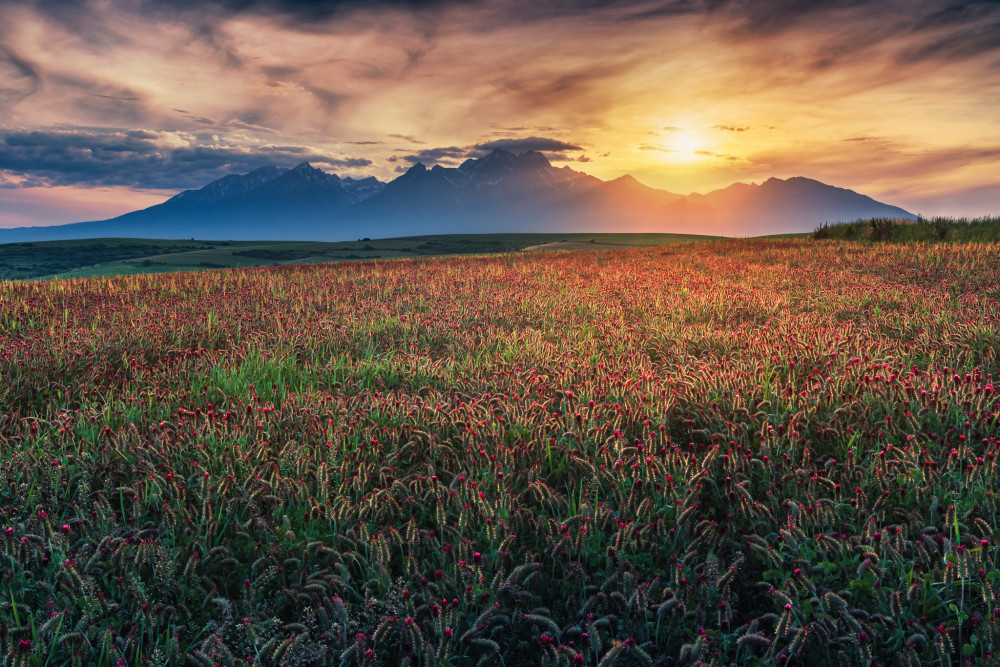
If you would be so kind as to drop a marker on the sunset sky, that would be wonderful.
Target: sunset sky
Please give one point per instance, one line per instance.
(111, 105)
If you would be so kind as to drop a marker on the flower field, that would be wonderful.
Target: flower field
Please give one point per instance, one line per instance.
(742, 452)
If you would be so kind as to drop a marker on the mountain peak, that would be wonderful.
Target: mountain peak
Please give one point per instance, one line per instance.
(531, 158)
(498, 154)
(266, 172)
(798, 181)
(630, 182)
(229, 186)
(417, 168)
(306, 168)
(500, 162)
(307, 173)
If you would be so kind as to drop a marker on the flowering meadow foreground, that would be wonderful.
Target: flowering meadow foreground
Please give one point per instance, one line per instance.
(744, 452)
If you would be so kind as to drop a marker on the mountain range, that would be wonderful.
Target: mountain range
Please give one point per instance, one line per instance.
(499, 192)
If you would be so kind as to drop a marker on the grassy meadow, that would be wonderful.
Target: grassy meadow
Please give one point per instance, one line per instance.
(729, 452)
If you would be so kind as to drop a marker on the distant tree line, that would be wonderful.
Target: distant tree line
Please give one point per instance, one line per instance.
(921, 230)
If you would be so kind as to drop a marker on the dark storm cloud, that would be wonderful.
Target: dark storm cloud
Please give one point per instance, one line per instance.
(762, 17)
(955, 13)
(933, 30)
(528, 144)
(310, 15)
(451, 155)
(142, 158)
(436, 155)
(308, 9)
(207, 12)
(748, 16)
(510, 11)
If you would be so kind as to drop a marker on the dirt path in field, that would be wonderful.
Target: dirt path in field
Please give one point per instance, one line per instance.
(574, 245)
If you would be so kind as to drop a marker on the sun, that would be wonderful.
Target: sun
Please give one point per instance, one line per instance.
(685, 145)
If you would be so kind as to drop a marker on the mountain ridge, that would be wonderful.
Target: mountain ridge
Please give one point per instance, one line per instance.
(498, 192)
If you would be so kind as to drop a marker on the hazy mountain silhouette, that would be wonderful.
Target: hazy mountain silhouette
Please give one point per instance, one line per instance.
(499, 192)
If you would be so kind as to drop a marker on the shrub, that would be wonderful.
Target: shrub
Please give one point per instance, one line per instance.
(882, 228)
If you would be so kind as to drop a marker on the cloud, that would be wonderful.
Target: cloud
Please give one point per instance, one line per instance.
(19, 78)
(721, 156)
(962, 44)
(528, 144)
(347, 162)
(315, 10)
(446, 155)
(197, 119)
(569, 83)
(883, 144)
(652, 147)
(224, 85)
(562, 157)
(956, 13)
(328, 99)
(761, 17)
(452, 155)
(309, 13)
(146, 159)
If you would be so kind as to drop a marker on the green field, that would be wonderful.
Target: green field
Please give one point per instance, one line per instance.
(88, 258)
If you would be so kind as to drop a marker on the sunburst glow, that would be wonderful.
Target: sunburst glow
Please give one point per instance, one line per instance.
(686, 146)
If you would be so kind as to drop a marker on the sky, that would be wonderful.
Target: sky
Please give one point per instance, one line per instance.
(107, 106)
